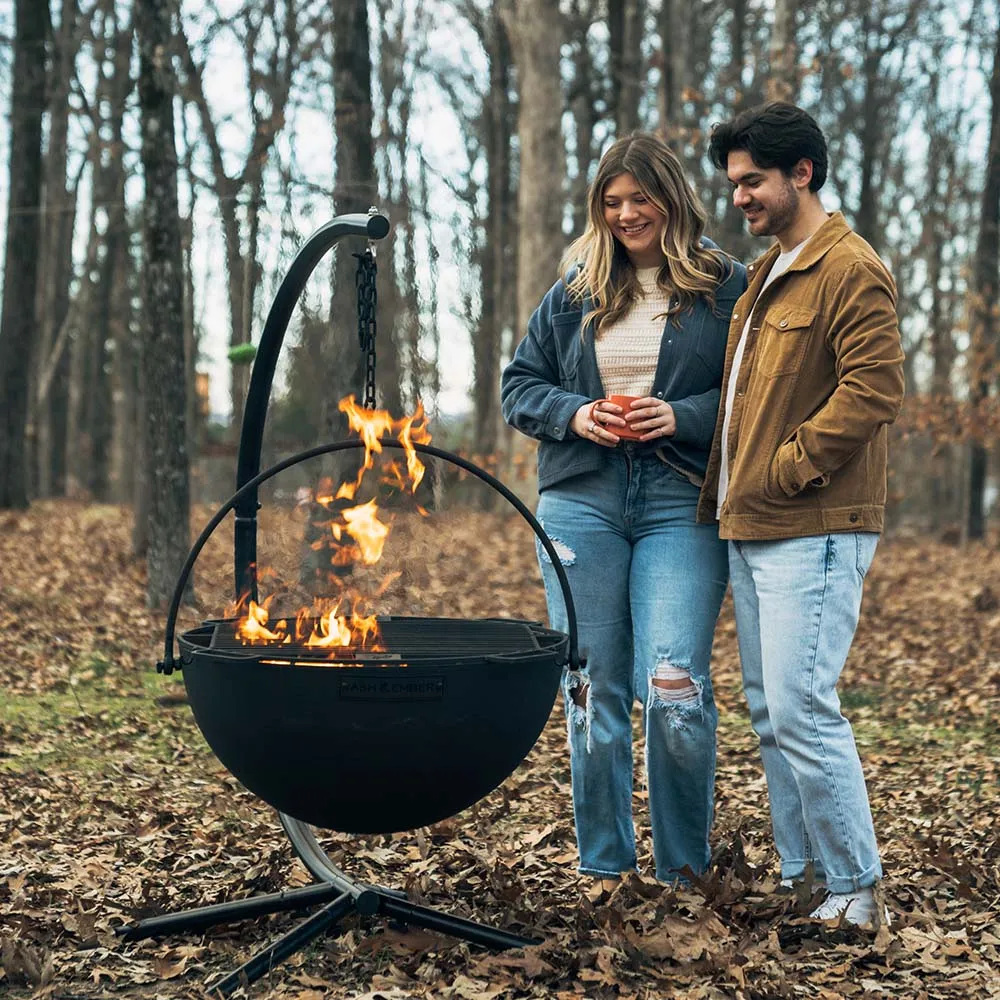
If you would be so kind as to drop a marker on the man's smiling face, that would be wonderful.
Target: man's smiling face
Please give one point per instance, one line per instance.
(767, 198)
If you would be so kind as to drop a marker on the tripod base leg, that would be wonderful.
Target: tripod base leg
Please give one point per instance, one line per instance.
(220, 913)
(460, 927)
(339, 900)
(298, 937)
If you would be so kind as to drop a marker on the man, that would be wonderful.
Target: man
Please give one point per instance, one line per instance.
(797, 481)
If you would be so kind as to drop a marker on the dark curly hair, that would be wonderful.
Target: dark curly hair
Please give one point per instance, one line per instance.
(778, 134)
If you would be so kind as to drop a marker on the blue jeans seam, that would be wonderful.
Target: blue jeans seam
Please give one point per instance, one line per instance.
(841, 816)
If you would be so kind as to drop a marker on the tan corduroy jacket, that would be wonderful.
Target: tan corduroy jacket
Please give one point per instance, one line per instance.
(822, 376)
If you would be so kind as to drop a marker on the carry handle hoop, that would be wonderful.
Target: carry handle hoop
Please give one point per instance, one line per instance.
(167, 665)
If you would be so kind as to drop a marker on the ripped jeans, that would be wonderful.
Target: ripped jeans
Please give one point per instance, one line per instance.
(647, 584)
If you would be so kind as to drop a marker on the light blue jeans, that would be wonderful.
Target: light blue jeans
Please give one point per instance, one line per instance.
(797, 603)
(647, 583)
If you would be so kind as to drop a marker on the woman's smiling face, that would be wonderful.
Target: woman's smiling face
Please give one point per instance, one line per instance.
(634, 221)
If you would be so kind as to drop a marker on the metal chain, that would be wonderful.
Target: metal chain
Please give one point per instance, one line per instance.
(367, 303)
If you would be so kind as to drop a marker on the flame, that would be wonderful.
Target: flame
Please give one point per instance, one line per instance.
(355, 534)
(367, 530)
(253, 629)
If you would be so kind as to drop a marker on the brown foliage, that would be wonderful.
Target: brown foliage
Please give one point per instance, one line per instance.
(112, 807)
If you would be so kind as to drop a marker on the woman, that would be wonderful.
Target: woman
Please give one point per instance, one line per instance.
(643, 310)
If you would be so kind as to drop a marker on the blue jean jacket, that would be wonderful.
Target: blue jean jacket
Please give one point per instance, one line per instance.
(554, 372)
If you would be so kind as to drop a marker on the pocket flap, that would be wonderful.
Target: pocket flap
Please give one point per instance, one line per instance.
(791, 317)
(567, 318)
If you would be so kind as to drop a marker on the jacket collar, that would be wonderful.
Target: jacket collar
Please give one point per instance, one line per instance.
(827, 236)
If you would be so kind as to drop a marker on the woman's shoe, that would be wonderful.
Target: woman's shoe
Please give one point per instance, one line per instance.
(859, 909)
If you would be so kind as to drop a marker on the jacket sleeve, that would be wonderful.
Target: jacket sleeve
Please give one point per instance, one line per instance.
(531, 397)
(696, 415)
(864, 339)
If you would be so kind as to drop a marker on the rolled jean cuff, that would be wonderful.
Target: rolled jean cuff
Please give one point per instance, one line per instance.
(597, 873)
(852, 883)
(796, 870)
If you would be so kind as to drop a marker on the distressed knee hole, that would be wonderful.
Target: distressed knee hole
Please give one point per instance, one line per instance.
(566, 555)
(674, 690)
(579, 713)
(674, 684)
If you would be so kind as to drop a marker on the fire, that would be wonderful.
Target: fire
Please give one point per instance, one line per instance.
(355, 534)
(253, 628)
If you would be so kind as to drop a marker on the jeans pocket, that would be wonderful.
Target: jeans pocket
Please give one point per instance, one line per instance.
(867, 543)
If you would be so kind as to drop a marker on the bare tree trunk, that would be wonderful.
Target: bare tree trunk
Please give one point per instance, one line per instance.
(108, 303)
(625, 36)
(486, 347)
(872, 115)
(17, 319)
(934, 236)
(163, 320)
(782, 81)
(58, 220)
(355, 191)
(583, 100)
(535, 32)
(675, 32)
(983, 306)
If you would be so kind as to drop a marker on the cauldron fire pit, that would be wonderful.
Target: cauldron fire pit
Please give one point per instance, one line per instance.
(357, 739)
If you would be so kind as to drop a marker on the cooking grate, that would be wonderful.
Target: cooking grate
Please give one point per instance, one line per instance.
(408, 639)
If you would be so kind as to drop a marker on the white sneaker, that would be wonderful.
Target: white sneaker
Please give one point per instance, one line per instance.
(792, 883)
(856, 908)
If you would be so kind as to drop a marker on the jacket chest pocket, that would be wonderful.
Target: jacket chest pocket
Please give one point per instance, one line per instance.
(569, 346)
(784, 336)
(714, 334)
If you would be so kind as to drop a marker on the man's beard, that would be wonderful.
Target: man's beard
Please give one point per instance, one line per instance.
(781, 214)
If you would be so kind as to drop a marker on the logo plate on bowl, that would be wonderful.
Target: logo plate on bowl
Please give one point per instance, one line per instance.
(373, 688)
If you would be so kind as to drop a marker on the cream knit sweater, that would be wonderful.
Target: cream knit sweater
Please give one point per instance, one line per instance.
(627, 352)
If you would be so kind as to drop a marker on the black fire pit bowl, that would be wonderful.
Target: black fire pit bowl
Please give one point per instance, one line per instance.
(374, 742)
(377, 747)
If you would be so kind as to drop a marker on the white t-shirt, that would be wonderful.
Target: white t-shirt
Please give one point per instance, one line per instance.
(781, 265)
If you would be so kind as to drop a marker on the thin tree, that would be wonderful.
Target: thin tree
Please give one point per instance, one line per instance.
(162, 348)
(56, 262)
(625, 19)
(782, 82)
(355, 191)
(984, 305)
(535, 32)
(17, 319)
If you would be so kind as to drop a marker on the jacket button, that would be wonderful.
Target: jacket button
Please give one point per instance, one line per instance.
(555, 430)
(740, 393)
(659, 395)
(783, 324)
(853, 518)
(736, 315)
(795, 486)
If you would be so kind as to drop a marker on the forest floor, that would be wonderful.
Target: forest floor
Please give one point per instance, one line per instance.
(112, 806)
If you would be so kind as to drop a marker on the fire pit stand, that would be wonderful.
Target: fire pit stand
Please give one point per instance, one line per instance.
(361, 741)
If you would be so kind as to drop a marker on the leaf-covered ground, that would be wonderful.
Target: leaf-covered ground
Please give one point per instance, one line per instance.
(113, 807)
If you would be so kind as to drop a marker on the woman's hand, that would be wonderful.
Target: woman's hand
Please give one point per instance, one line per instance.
(653, 418)
(597, 421)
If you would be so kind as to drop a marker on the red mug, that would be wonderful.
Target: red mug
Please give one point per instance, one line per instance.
(625, 433)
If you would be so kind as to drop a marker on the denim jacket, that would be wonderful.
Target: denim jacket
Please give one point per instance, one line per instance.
(554, 372)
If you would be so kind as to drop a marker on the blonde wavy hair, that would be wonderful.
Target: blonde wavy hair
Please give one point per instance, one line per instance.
(596, 266)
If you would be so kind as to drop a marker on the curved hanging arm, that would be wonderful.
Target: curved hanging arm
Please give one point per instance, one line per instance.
(372, 227)
(167, 665)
